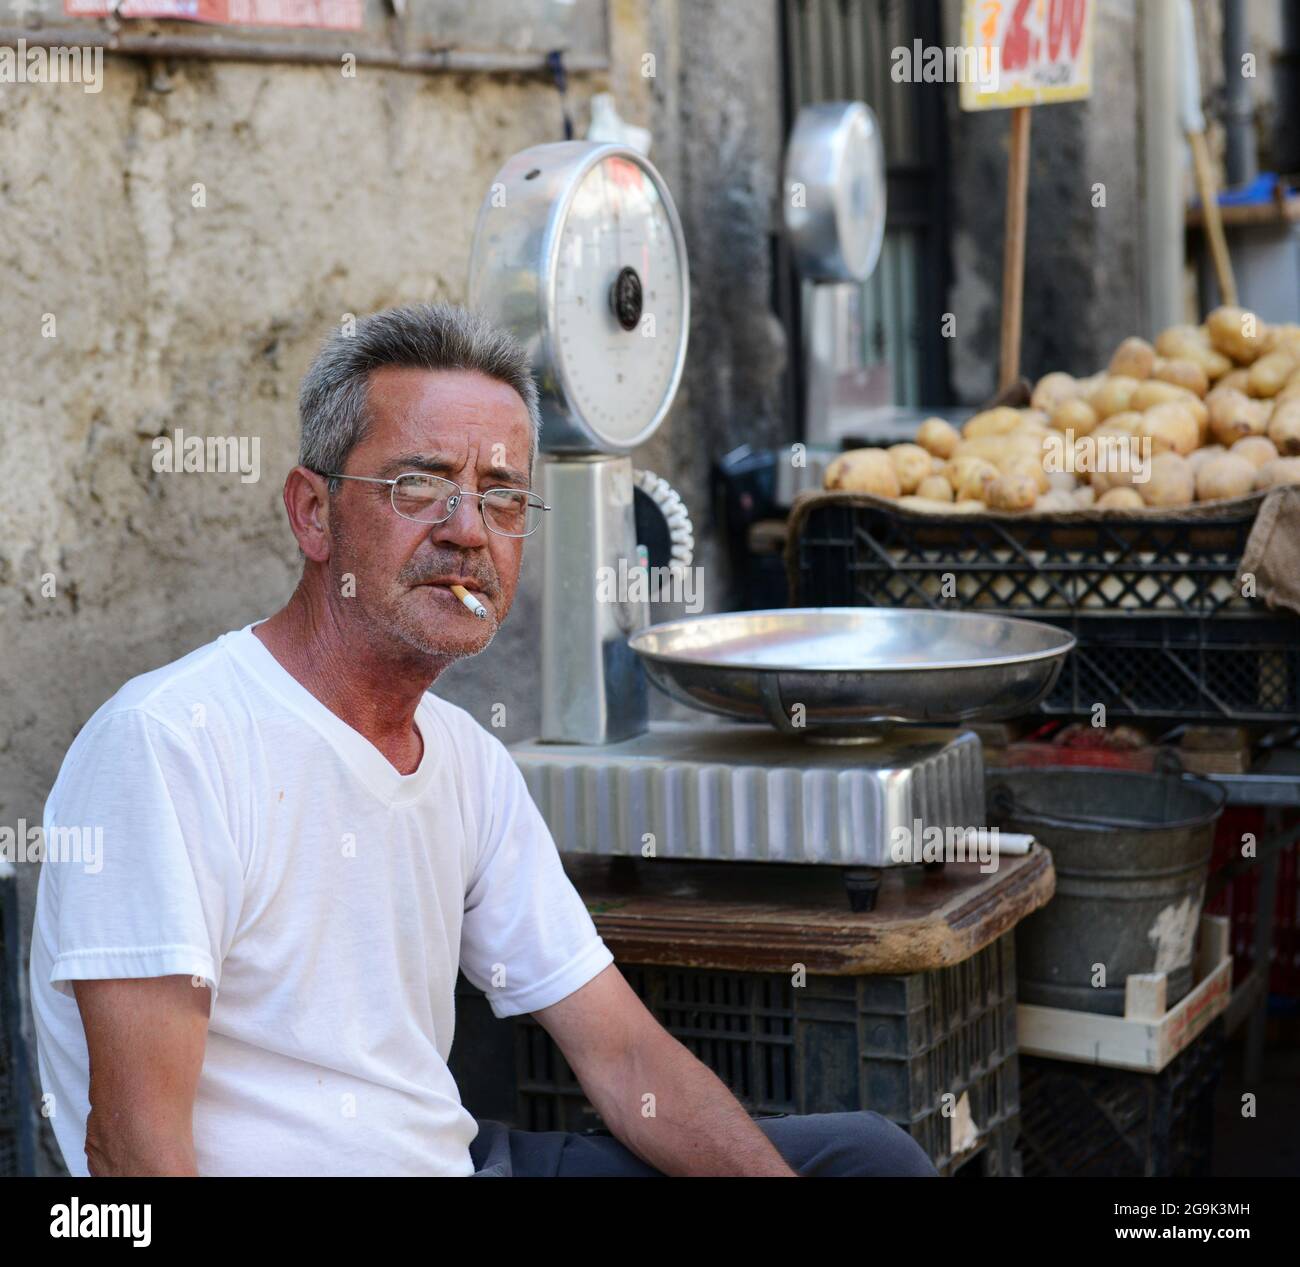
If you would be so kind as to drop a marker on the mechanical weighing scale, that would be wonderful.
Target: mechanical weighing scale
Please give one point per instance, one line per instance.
(578, 251)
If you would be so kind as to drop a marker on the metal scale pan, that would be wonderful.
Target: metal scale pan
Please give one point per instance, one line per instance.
(849, 672)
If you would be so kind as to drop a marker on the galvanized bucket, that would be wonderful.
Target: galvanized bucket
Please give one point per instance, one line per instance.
(1131, 853)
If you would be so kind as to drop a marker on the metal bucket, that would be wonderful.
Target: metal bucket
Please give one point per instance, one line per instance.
(1131, 853)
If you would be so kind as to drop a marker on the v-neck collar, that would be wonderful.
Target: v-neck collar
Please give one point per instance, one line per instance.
(366, 761)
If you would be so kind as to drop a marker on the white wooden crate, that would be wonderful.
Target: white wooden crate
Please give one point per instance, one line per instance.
(1149, 1035)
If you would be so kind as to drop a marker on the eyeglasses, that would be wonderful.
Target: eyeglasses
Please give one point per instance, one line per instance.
(430, 499)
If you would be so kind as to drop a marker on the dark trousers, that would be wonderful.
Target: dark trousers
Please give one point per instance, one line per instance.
(830, 1144)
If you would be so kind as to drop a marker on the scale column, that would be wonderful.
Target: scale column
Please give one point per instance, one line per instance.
(593, 686)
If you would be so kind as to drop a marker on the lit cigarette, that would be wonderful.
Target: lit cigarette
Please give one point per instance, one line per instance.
(470, 601)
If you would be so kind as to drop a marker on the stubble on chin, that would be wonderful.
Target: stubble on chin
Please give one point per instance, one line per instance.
(440, 639)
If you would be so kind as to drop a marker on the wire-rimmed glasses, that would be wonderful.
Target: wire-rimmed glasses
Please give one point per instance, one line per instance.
(431, 499)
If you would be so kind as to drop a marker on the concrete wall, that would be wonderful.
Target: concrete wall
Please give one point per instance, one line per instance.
(324, 196)
(1082, 263)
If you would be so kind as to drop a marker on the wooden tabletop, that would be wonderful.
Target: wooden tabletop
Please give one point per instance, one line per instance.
(766, 917)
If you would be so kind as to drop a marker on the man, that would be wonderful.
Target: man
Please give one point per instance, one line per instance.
(300, 844)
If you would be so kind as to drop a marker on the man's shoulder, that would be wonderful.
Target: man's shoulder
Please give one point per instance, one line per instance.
(173, 696)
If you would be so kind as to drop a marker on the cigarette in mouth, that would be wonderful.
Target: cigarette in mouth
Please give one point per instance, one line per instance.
(470, 601)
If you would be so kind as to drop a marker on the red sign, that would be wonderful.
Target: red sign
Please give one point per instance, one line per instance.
(330, 15)
(1030, 52)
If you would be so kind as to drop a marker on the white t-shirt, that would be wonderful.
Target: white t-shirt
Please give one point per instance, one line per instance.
(252, 838)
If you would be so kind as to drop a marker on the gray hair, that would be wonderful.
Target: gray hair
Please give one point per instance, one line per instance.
(332, 404)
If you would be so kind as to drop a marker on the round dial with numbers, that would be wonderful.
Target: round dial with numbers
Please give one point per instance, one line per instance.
(589, 234)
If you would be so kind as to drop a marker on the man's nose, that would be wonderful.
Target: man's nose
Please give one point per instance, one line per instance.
(465, 527)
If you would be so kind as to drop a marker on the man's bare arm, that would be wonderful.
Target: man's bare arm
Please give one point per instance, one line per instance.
(146, 1038)
(622, 1055)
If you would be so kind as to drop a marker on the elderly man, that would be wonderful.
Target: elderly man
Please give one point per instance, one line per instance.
(301, 844)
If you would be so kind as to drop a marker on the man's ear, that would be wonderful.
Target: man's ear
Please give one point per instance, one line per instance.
(306, 502)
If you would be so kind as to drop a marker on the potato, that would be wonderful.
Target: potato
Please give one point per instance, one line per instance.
(1192, 344)
(970, 476)
(1276, 473)
(990, 448)
(1053, 390)
(1238, 380)
(1255, 449)
(1016, 491)
(1171, 483)
(1134, 358)
(1271, 373)
(938, 437)
(1031, 467)
(863, 471)
(1084, 496)
(1181, 372)
(1034, 420)
(1120, 499)
(1234, 415)
(1022, 445)
(1284, 335)
(1127, 423)
(911, 464)
(1119, 461)
(935, 488)
(1198, 456)
(1055, 502)
(1170, 341)
(1150, 394)
(1236, 332)
(1075, 415)
(1284, 427)
(1113, 395)
(1170, 426)
(1228, 476)
(1062, 481)
(992, 422)
(1154, 392)
(1291, 390)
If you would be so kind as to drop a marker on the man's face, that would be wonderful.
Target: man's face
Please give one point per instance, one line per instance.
(470, 429)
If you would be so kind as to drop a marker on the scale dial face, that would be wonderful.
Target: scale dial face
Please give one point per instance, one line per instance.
(619, 304)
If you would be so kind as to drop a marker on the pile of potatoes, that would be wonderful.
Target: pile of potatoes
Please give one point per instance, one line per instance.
(1208, 412)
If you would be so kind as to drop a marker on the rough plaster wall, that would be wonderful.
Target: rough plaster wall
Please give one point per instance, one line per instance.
(324, 196)
(1082, 265)
(724, 87)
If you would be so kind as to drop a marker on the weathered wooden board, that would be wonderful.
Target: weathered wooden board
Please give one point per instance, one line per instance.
(766, 917)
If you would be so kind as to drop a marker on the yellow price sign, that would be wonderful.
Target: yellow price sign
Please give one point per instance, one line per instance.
(1031, 52)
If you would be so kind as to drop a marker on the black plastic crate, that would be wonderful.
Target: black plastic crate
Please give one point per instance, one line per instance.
(894, 1044)
(17, 1127)
(1163, 629)
(1090, 1121)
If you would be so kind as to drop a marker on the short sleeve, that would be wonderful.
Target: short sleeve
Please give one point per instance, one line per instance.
(144, 873)
(527, 940)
